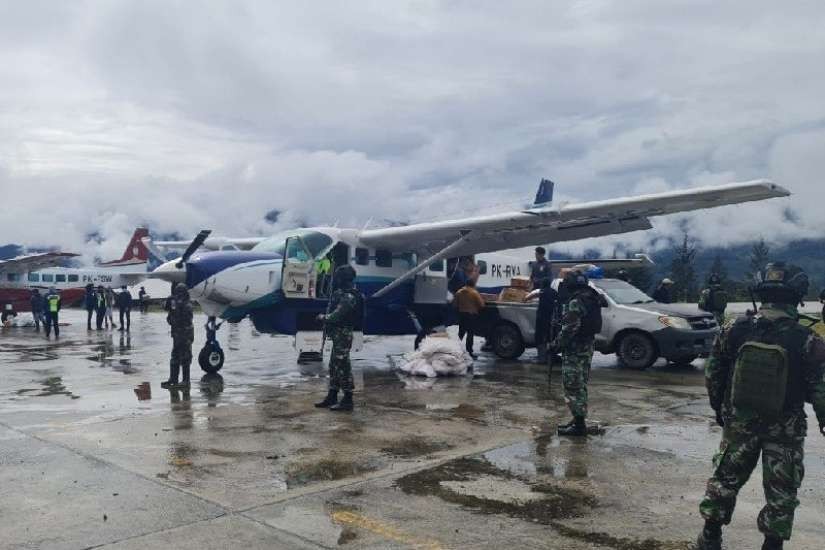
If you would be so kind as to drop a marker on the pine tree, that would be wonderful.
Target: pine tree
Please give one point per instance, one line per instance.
(760, 252)
(718, 267)
(683, 271)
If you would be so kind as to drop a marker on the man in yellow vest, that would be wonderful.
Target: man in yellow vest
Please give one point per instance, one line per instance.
(323, 268)
(52, 310)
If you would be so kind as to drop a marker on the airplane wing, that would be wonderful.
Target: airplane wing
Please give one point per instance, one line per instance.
(33, 262)
(562, 223)
(213, 243)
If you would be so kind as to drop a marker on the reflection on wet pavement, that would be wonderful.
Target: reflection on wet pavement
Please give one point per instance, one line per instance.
(454, 450)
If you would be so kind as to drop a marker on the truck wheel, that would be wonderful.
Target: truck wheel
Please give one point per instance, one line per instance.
(507, 341)
(211, 358)
(637, 350)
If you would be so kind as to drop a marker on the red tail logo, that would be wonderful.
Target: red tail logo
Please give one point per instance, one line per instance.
(136, 252)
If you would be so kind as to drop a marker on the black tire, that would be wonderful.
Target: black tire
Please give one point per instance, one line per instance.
(211, 358)
(507, 341)
(637, 350)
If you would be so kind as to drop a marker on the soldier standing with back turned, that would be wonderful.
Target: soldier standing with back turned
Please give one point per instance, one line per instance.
(581, 321)
(183, 333)
(347, 310)
(714, 299)
(762, 370)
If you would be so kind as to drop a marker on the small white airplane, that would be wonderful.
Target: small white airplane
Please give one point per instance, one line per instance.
(401, 270)
(19, 276)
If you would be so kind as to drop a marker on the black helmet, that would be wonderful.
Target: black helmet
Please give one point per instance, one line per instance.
(714, 279)
(781, 282)
(576, 279)
(181, 292)
(344, 276)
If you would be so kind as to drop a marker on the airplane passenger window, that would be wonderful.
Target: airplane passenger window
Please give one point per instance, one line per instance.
(60, 278)
(383, 258)
(362, 256)
(48, 278)
(437, 266)
(482, 267)
(34, 277)
(12, 277)
(73, 278)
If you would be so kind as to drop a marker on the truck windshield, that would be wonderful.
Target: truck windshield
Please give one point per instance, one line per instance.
(621, 292)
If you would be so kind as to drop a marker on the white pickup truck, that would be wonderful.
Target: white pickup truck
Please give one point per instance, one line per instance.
(636, 328)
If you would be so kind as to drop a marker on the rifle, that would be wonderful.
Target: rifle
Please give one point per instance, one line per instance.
(753, 301)
(329, 305)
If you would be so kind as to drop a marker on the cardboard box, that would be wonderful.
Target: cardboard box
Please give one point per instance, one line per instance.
(521, 282)
(490, 297)
(512, 295)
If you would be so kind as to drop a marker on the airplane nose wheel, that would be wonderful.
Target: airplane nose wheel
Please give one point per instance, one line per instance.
(211, 356)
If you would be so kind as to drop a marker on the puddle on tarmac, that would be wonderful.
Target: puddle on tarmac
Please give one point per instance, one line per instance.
(548, 501)
(325, 469)
(412, 447)
(52, 385)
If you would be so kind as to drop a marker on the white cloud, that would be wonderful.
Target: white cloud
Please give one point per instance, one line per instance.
(183, 115)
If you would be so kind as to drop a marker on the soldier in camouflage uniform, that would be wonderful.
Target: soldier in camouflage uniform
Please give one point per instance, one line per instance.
(346, 306)
(748, 430)
(714, 299)
(183, 333)
(576, 345)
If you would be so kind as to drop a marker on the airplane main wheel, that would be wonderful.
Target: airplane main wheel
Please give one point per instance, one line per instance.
(211, 358)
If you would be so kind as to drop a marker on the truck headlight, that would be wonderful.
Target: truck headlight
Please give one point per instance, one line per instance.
(679, 323)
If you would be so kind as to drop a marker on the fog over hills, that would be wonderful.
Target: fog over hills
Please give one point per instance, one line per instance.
(249, 117)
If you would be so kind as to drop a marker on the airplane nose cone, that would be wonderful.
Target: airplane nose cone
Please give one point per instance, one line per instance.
(170, 272)
(204, 265)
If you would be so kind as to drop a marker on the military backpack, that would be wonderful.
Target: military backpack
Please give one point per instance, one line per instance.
(763, 382)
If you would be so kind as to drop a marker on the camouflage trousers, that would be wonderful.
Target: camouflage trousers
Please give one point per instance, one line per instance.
(340, 369)
(181, 351)
(575, 374)
(781, 447)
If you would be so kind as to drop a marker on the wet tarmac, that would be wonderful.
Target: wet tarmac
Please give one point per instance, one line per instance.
(93, 453)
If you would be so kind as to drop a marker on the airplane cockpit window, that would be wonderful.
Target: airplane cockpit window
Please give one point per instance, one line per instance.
(295, 251)
(34, 277)
(315, 241)
(383, 258)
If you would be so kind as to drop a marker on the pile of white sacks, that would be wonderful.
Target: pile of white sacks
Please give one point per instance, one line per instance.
(438, 356)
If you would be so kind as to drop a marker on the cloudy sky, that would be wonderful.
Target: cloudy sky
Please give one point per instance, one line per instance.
(183, 115)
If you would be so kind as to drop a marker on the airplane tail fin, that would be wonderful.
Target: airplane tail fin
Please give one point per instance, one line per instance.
(136, 252)
(544, 195)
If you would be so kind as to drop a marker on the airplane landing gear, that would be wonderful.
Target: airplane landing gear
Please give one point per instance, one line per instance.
(211, 356)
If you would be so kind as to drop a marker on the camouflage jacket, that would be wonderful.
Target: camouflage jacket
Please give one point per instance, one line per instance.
(345, 306)
(180, 318)
(719, 367)
(569, 338)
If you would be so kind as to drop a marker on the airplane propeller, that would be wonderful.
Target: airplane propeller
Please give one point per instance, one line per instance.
(193, 246)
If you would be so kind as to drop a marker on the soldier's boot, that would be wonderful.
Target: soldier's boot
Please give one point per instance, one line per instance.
(772, 543)
(174, 371)
(711, 537)
(345, 404)
(577, 429)
(184, 382)
(330, 400)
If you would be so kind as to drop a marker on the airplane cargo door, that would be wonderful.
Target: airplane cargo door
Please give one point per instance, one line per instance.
(298, 280)
(431, 285)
